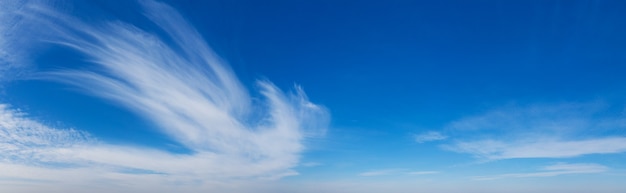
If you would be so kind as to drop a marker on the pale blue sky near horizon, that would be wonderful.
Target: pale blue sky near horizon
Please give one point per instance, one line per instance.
(309, 96)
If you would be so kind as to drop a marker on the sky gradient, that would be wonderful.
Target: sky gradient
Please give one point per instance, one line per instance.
(313, 96)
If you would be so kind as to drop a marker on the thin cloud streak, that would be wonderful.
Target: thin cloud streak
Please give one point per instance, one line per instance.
(548, 148)
(183, 87)
(538, 131)
(553, 170)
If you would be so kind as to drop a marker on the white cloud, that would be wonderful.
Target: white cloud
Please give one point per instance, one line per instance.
(553, 170)
(429, 136)
(539, 131)
(183, 87)
(541, 148)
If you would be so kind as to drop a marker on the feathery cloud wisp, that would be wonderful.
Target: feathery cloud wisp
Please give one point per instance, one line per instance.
(180, 85)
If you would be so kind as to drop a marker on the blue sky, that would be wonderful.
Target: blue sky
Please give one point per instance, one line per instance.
(312, 96)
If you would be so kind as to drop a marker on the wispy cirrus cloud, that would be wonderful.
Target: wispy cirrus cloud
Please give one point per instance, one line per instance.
(179, 84)
(552, 170)
(539, 131)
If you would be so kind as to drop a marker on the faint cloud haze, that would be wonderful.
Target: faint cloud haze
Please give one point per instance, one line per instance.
(429, 136)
